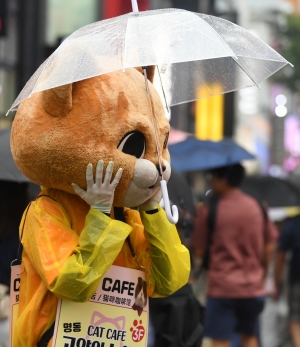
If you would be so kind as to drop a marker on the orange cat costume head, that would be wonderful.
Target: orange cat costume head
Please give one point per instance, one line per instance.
(56, 133)
(68, 244)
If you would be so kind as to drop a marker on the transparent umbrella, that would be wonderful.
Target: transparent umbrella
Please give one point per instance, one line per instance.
(196, 55)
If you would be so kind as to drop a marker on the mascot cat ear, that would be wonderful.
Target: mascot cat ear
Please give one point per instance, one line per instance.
(58, 101)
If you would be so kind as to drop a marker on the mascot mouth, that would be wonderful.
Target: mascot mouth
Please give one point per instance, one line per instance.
(145, 182)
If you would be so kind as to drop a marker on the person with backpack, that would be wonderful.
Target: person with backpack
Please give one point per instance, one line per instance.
(235, 239)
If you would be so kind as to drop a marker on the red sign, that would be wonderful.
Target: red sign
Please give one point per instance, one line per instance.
(138, 332)
(114, 8)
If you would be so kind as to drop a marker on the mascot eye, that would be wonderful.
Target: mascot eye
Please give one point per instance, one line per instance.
(134, 144)
(166, 141)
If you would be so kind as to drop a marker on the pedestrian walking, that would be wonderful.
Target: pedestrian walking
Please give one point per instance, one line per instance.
(235, 239)
(289, 243)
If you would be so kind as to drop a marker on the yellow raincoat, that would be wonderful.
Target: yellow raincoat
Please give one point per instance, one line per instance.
(68, 247)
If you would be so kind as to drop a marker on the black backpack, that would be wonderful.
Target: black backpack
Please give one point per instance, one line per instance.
(178, 319)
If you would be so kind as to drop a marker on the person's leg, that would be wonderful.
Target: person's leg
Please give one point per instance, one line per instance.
(249, 341)
(236, 341)
(295, 333)
(220, 343)
(248, 311)
(220, 321)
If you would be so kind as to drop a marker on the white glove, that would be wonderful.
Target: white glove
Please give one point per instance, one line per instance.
(99, 195)
(152, 203)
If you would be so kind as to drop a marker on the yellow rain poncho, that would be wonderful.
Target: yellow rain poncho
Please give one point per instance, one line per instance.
(68, 247)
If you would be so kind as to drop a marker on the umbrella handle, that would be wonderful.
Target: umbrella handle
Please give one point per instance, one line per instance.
(172, 218)
(135, 7)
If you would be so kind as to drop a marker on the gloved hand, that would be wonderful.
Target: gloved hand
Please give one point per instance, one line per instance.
(99, 195)
(152, 203)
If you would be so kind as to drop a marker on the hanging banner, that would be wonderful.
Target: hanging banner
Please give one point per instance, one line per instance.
(115, 316)
(14, 298)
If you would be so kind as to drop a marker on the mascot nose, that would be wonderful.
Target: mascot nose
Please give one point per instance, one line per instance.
(163, 168)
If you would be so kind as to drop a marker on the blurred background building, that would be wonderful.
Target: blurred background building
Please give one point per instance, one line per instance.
(266, 121)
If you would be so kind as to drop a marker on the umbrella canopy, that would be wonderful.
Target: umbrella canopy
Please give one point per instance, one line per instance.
(274, 191)
(8, 168)
(196, 55)
(180, 192)
(193, 154)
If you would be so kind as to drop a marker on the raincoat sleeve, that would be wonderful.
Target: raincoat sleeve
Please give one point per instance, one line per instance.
(170, 260)
(71, 266)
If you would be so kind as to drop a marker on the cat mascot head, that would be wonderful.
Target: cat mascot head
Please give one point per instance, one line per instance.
(57, 132)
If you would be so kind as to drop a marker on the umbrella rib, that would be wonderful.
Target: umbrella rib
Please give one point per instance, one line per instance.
(163, 90)
(37, 80)
(221, 38)
(257, 38)
(246, 72)
(262, 58)
(89, 28)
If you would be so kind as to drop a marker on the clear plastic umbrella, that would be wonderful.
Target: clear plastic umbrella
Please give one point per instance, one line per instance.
(196, 55)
